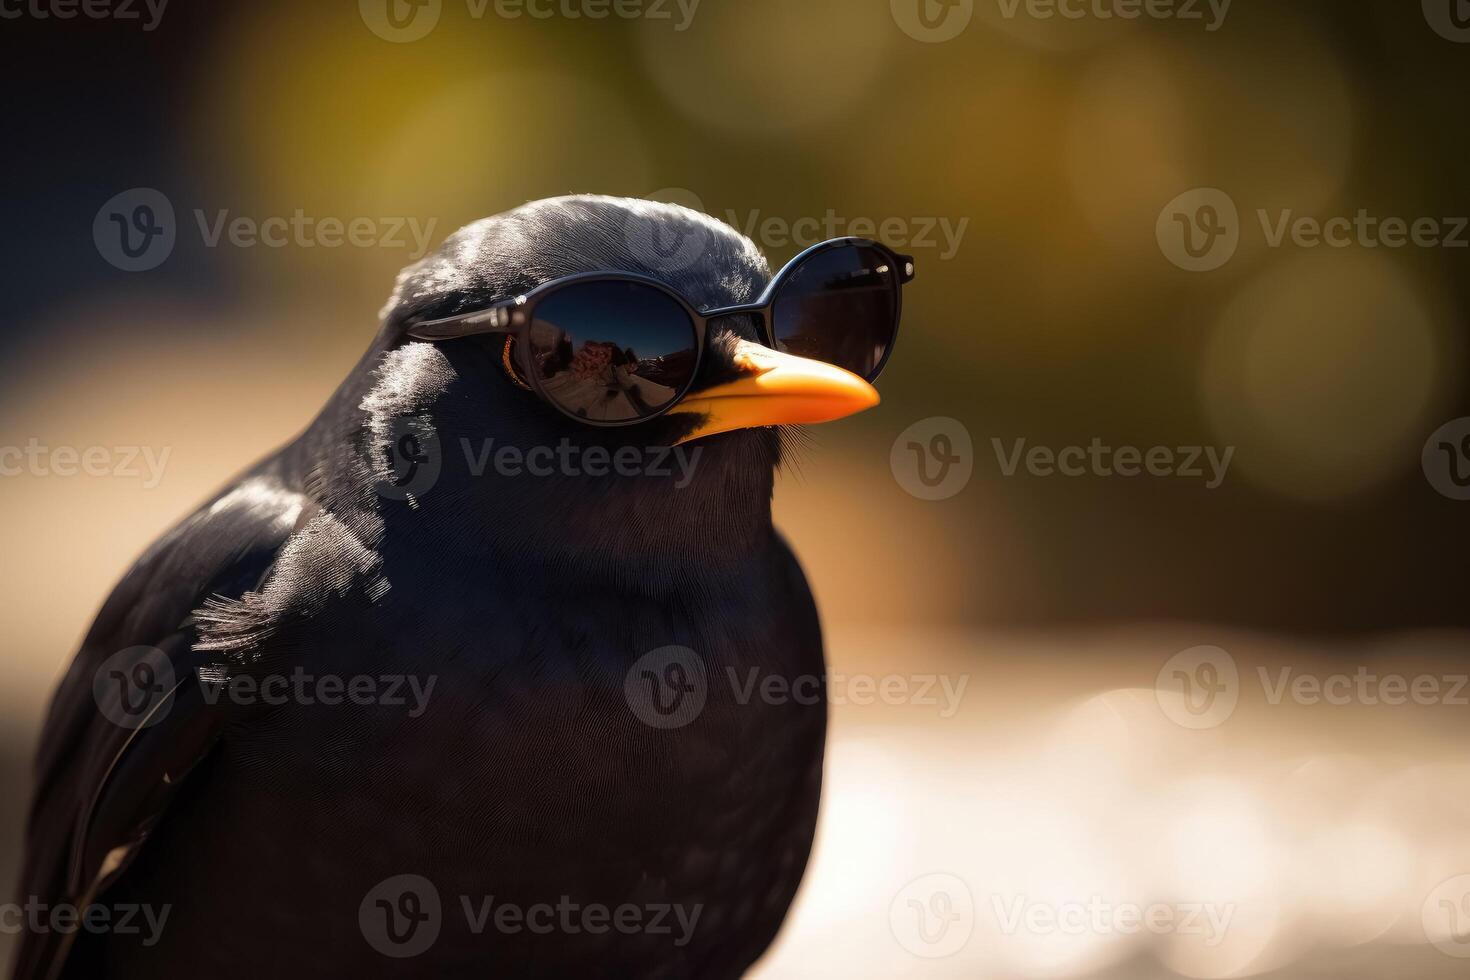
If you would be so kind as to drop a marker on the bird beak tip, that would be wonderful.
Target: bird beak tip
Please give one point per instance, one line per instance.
(778, 389)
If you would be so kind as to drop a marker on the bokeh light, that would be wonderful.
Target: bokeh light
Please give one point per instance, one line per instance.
(1325, 372)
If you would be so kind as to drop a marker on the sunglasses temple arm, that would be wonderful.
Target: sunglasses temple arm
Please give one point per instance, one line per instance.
(496, 319)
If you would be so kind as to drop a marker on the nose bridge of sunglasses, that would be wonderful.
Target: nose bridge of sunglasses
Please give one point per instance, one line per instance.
(743, 323)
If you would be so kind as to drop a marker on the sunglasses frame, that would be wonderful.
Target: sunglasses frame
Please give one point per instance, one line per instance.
(513, 318)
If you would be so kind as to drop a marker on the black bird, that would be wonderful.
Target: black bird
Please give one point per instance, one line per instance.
(289, 834)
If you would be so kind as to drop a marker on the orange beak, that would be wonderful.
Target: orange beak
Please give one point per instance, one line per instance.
(777, 389)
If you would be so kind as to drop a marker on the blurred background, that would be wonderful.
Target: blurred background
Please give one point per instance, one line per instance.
(1112, 207)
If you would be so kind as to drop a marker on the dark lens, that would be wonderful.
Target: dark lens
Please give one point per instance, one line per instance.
(611, 351)
(840, 306)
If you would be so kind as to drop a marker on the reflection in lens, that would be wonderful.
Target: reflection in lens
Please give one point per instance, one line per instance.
(839, 306)
(612, 351)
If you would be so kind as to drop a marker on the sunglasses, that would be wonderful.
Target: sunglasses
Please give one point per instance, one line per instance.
(614, 348)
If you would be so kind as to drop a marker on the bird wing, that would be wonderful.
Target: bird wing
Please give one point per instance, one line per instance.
(101, 785)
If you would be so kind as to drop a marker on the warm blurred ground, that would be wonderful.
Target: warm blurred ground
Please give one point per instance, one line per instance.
(1323, 831)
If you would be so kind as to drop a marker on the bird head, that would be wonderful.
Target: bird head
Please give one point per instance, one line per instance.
(704, 468)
